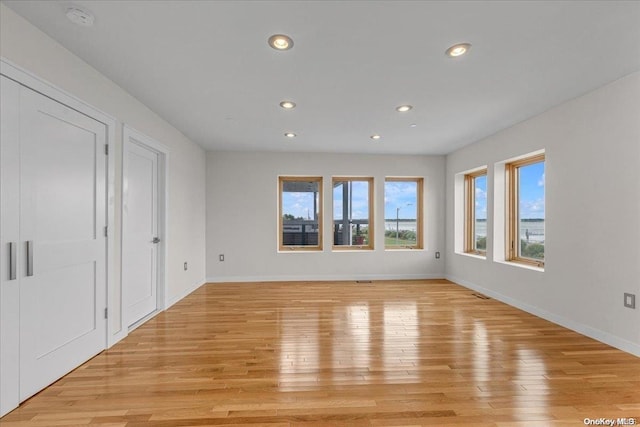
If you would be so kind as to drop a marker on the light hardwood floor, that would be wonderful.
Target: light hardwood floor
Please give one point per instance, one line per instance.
(422, 352)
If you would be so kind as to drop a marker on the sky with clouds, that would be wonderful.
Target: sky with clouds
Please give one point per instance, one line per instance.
(481, 197)
(359, 200)
(298, 204)
(396, 195)
(531, 193)
(402, 195)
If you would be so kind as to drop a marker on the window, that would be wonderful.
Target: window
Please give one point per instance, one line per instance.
(526, 210)
(300, 213)
(475, 212)
(352, 213)
(403, 213)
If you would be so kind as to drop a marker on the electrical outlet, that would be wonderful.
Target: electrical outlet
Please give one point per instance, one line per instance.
(437, 255)
(185, 266)
(221, 257)
(629, 300)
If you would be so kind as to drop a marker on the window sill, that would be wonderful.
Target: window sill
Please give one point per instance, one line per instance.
(296, 250)
(522, 265)
(472, 255)
(352, 249)
(401, 249)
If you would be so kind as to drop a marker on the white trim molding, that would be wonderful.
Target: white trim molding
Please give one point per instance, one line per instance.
(329, 278)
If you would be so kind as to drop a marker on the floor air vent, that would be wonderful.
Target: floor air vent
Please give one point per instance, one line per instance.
(480, 296)
(363, 281)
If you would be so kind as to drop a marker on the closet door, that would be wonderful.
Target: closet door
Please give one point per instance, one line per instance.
(10, 256)
(62, 218)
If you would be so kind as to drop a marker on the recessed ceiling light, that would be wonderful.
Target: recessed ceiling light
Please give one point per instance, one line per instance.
(404, 108)
(80, 16)
(412, 125)
(290, 135)
(280, 42)
(458, 50)
(375, 137)
(288, 105)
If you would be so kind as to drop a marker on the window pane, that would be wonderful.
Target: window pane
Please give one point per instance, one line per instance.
(351, 213)
(531, 211)
(480, 213)
(401, 208)
(300, 212)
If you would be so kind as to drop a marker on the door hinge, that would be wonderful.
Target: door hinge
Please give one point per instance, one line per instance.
(106, 312)
(106, 149)
(106, 231)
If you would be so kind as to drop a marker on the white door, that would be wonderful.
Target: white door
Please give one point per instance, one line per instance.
(62, 218)
(140, 231)
(10, 256)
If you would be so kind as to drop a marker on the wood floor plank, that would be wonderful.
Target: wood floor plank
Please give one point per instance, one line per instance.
(405, 353)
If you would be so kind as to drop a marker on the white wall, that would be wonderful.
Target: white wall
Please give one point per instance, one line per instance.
(29, 48)
(592, 238)
(242, 201)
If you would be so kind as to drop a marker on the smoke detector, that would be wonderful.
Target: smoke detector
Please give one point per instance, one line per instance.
(80, 16)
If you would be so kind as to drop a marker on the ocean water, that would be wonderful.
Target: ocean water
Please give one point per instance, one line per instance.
(402, 225)
(532, 231)
(534, 228)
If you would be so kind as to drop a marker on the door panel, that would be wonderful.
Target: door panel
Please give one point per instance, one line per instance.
(72, 148)
(60, 319)
(62, 211)
(140, 226)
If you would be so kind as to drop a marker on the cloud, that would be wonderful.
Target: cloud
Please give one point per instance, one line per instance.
(397, 193)
(481, 194)
(400, 195)
(541, 181)
(298, 204)
(532, 208)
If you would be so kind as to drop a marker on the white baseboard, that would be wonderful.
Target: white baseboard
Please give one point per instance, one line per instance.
(328, 277)
(177, 298)
(580, 328)
(125, 331)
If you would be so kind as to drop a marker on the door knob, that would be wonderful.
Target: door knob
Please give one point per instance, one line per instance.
(156, 240)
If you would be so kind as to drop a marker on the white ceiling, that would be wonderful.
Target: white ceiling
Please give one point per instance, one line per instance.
(206, 68)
